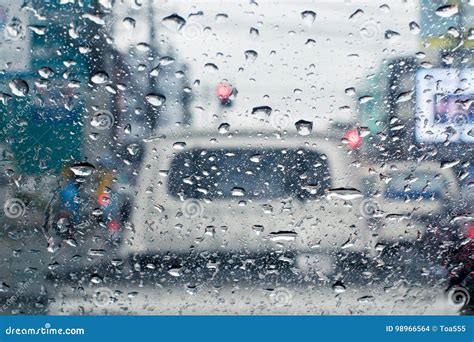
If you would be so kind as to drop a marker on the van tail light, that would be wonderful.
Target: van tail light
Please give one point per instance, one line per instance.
(470, 231)
(352, 138)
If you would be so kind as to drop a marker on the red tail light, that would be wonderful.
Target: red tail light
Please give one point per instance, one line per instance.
(113, 226)
(470, 231)
(104, 200)
(353, 138)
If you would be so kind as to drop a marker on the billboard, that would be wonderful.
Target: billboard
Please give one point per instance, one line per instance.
(444, 105)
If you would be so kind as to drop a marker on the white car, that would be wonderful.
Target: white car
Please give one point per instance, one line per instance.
(248, 193)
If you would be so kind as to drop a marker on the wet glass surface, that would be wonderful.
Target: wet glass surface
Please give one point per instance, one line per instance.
(249, 157)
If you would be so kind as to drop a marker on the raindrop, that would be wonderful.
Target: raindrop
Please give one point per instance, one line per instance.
(256, 158)
(282, 236)
(99, 78)
(304, 127)
(173, 22)
(166, 60)
(449, 164)
(358, 13)
(366, 299)
(365, 99)
(414, 27)
(403, 97)
(221, 17)
(310, 43)
(258, 229)
(82, 169)
(96, 279)
(38, 29)
(19, 87)
(265, 110)
(46, 72)
(14, 29)
(338, 287)
(133, 149)
(254, 33)
(175, 272)
(447, 11)
(129, 22)
(179, 145)
(389, 34)
(250, 55)
(350, 91)
(155, 100)
(454, 32)
(346, 194)
(224, 128)
(238, 192)
(308, 17)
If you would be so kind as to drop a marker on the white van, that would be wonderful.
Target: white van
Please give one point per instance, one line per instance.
(248, 193)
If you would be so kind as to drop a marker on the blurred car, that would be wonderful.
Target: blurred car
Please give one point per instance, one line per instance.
(411, 206)
(249, 193)
(410, 195)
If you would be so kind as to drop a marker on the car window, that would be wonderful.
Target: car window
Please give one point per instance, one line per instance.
(247, 174)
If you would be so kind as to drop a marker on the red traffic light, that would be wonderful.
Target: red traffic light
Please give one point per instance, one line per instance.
(224, 92)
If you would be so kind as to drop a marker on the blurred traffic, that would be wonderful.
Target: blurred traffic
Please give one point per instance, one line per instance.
(254, 157)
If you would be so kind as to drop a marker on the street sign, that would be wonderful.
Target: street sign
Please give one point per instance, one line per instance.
(444, 105)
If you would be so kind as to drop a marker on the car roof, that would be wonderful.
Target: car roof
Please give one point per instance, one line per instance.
(163, 146)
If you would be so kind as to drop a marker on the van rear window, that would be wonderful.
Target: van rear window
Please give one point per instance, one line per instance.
(248, 173)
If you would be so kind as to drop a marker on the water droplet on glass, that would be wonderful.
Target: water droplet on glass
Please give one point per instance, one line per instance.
(447, 11)
(403, 97)
(82, 169)
(38, 29)
(179, 145)
(282, 236)
(389, 34)
(155, 100)
(308, 17)
(265, 110)
(133, 149)
(414, 27)
(175, 272)
(256, 158)
(338, 287)
(254, 33)
(238, 192)
(129, 22)
(166, 60)
(19, 87)
(14, 29)
(173, 22)
(304, 127)
(46, 72)
(250, 55)
(224, 128)
(99, 78)
(221, 17)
